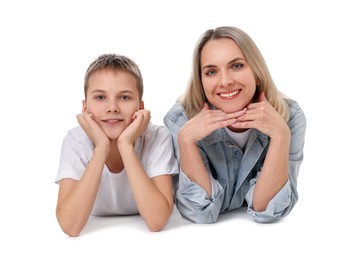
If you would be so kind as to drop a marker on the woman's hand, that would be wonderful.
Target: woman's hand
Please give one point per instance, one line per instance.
(263, 117)
(206, 122)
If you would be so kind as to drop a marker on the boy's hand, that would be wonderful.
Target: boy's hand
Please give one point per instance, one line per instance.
(140, 121)
(93, 130)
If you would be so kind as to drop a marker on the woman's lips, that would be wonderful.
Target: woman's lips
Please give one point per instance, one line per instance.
(229, 95)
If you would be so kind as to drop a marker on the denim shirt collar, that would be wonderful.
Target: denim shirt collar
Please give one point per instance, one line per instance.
(221, 135)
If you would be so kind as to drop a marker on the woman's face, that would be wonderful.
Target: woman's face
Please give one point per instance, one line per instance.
(227, 78)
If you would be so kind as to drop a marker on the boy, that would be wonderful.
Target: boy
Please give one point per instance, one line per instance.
(116, 162)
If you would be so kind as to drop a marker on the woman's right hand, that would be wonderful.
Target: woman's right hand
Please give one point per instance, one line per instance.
(206, 122)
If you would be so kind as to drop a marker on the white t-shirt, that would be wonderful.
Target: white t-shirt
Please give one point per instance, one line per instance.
(154, 149)
(240, 139)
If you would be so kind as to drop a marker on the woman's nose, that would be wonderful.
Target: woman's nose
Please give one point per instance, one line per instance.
(226, 80)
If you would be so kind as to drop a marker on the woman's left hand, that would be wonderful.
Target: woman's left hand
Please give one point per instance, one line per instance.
(262, 116)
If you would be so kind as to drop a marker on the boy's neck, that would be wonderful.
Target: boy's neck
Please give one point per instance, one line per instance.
(114, 161)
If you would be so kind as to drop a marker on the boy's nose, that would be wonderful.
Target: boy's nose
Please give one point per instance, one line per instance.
(113, 107)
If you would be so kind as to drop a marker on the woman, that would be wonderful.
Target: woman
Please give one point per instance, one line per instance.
(238, 139)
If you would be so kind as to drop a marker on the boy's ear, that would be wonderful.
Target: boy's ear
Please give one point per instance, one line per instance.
(142, 105)
(84, 106)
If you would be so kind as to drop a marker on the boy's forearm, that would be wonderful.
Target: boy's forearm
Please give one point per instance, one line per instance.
(152, 204)
(73, 212)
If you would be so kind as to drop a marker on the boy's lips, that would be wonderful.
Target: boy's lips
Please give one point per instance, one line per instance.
(112, 121)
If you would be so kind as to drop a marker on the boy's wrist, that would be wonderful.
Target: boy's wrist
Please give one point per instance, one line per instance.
(103, 150)
(124, 145)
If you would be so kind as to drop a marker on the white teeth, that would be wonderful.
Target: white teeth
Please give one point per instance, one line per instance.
(230, 94)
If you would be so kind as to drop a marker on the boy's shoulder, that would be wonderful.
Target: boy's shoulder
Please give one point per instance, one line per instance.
(154, 130)
(77, 134)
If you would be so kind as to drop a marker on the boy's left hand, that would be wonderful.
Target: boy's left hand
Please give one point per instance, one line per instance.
(140, 121)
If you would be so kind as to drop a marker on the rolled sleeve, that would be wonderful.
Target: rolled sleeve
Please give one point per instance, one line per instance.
(284, 201)
(277, 208)
(193, 201)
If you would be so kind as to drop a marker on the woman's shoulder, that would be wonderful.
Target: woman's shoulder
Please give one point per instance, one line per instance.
(293, 105)
(175, 115)
(295, 111)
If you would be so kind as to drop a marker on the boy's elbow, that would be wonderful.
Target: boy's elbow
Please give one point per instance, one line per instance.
(70, 230)
(155, 228)
(156, 225)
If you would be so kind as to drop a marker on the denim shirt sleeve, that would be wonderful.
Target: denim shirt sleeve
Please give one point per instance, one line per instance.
(283, 202)
(193, 202)
(191, 199)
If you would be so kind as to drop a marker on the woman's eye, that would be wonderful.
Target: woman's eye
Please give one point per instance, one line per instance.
(237, 66)
(210, 72)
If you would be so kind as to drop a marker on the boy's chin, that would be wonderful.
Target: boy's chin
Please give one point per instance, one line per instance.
(113, 137)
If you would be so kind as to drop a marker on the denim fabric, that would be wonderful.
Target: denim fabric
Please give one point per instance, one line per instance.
(234, 173)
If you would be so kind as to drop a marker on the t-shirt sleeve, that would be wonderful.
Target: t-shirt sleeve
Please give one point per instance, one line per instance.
(72, 162)
(160, 158)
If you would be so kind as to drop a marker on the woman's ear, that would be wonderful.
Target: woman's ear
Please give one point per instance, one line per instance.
(84, 106)
(142, 105)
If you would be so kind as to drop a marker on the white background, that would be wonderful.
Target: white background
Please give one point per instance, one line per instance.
(45, 48)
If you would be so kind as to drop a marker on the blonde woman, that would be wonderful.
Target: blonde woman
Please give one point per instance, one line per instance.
(238, 139)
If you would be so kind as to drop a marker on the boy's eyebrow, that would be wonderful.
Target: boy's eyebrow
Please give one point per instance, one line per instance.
(230, 62)
(97, 91)
(103, 91)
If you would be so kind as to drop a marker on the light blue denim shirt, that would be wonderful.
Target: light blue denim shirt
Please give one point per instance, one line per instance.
(233, 173)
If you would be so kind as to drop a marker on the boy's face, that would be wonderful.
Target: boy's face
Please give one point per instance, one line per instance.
(113, 98)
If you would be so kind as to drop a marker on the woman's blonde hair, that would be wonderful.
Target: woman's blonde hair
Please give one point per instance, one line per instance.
(194, 98)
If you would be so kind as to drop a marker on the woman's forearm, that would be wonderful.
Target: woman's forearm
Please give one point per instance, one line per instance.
(274, 173)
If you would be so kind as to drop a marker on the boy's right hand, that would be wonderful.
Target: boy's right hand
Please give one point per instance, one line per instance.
(93, 130)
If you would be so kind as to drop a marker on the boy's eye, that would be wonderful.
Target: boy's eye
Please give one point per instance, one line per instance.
(124, 98)
(100, 97)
